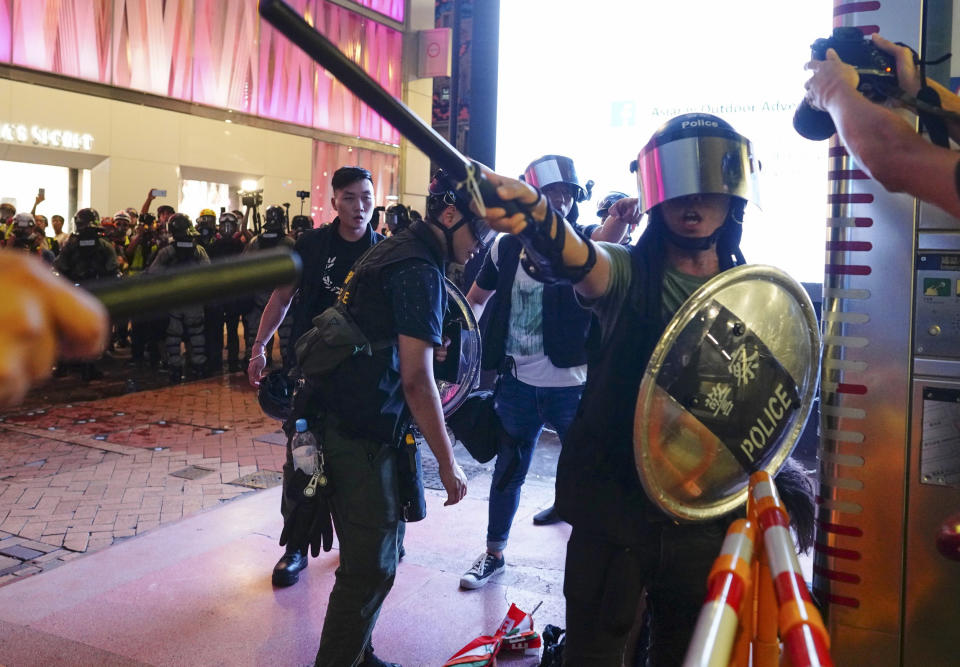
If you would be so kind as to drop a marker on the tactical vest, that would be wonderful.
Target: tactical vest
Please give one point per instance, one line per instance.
(307, 303)
(565, 321)
(366, 391)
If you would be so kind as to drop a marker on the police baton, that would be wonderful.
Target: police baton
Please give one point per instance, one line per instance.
(464, 171)
(225, 279)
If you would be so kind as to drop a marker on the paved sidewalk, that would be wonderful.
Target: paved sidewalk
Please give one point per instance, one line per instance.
(76, 478)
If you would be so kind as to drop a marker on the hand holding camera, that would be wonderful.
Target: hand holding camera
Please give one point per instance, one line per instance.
(845, 60)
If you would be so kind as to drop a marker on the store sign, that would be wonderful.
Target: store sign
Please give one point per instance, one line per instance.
(44, 136)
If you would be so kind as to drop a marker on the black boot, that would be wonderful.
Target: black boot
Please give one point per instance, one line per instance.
(546, 517)
(370, 660)
(287, 570)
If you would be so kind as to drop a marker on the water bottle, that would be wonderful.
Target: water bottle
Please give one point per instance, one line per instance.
(304, 449)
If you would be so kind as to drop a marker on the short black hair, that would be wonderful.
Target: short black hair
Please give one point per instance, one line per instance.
(165, 209)
(345, 176)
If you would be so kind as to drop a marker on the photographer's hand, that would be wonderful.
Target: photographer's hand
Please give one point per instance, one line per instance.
(832, 78)
(908, 76)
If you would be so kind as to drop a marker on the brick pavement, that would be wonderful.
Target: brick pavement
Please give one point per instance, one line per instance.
(78, 477)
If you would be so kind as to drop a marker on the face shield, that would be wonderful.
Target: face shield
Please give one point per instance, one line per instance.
(696, 154)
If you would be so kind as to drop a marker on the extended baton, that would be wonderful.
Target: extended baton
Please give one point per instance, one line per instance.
(221, 280)
(325, 53)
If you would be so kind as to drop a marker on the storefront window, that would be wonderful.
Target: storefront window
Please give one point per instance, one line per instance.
(198, 195)
(327, 158)
(21, 181)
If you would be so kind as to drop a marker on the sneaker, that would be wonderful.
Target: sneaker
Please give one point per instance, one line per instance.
(485, 567)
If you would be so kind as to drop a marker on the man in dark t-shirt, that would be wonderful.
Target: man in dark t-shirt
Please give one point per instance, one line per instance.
(327, 254)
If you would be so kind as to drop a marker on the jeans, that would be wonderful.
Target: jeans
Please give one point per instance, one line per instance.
(523, 409)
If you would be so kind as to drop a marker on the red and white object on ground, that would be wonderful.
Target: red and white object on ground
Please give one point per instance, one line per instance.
(515, 633)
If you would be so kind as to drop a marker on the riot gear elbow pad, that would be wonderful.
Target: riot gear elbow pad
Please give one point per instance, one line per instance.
(542, 256)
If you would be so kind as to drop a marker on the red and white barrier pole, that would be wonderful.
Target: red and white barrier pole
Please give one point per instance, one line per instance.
(727, 593)
(801, 628)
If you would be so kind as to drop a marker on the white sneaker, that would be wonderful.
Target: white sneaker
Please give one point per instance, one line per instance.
(485, 567)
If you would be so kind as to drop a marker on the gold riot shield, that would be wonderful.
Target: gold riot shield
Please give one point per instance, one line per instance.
(459, 374)
(727, 391)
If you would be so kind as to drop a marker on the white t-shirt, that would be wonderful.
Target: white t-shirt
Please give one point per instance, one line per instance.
(525, 335)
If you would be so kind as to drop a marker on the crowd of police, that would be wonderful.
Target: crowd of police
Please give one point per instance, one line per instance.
(188, 342)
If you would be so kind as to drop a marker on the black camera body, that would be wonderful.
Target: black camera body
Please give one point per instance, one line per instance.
(303, 194)
(877, 71)
(252, 199)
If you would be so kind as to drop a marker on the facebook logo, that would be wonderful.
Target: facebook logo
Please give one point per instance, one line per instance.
(623, 114)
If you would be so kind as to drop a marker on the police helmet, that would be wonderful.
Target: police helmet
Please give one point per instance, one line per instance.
(276, 395)
(696, 153)
(611, 198)
(86, 217)
(180, 226)
(23, 221)
(301, 222)
(274, 219)
(551, 169)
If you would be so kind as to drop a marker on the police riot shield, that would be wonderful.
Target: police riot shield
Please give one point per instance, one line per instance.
(459, 374)
(727, 391)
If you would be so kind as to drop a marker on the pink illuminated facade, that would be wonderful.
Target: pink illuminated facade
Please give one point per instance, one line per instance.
(220, 54)
(213, 52)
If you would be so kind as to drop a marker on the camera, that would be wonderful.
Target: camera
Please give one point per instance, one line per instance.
(303, 194)
(877, 72)
(252, 199)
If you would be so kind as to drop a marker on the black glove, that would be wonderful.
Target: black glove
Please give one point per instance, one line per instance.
(306, 520)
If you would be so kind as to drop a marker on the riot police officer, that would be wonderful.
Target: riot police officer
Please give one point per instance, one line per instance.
(273, 235)
(225, 313)
(86, 256)
(183, 324)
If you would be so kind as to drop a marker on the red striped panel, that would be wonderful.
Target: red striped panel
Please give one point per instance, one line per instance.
(849, 245)
(847, 174)
(837, 575)
(863, 222)
(837, 151)
(845, 388)
(837, 599)
(790, 586)
(854, 7)
(850, 198)
(847, 269)
(838, 529)
(836, 552)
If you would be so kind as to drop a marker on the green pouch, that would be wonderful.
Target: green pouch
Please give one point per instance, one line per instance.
(334, 338)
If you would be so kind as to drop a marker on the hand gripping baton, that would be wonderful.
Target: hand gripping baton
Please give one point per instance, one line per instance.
(465, 171)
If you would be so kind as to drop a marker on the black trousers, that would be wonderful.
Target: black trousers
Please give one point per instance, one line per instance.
(603, 584)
